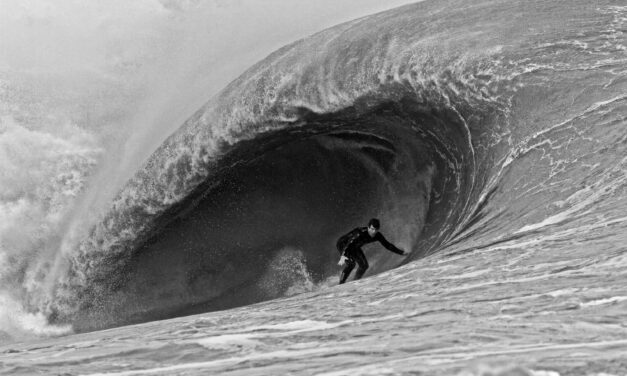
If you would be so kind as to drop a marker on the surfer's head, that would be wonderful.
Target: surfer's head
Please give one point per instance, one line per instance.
(373, 226)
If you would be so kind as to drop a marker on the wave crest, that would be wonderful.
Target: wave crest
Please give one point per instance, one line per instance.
(439, 118)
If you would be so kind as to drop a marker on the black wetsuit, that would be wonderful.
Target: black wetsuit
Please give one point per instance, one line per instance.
(350, 245)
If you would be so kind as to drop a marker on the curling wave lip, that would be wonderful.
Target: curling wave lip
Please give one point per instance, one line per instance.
(476, 131)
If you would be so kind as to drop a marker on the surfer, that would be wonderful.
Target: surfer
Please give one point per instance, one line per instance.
(350, 245)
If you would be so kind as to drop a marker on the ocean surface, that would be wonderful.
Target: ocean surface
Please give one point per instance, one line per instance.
(490, 139)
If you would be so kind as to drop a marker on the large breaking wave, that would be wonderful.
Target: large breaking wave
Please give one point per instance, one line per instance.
(450, 121)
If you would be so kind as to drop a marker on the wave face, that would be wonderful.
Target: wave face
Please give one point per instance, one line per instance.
(461, 123)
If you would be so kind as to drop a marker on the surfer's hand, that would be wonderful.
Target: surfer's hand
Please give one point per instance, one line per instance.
(342, 261)
(404, 253)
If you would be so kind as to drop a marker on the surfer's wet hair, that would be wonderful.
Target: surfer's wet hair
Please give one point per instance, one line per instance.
(374, 223)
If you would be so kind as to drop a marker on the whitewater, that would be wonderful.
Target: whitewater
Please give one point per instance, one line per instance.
(488, 136)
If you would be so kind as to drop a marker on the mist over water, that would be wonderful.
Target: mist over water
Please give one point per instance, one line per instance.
(88, 91)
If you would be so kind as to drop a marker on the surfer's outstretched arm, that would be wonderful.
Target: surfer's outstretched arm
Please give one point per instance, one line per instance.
(389, 246)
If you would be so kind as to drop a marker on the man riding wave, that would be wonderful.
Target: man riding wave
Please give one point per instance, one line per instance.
(351, 253)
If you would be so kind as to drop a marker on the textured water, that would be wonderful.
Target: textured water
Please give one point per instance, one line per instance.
(489, 137)
(489, 310)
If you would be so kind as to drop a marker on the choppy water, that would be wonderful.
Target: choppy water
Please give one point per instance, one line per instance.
(489, 138)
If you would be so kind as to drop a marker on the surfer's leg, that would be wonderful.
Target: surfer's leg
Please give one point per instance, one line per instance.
(350, 264)
(362, 263)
